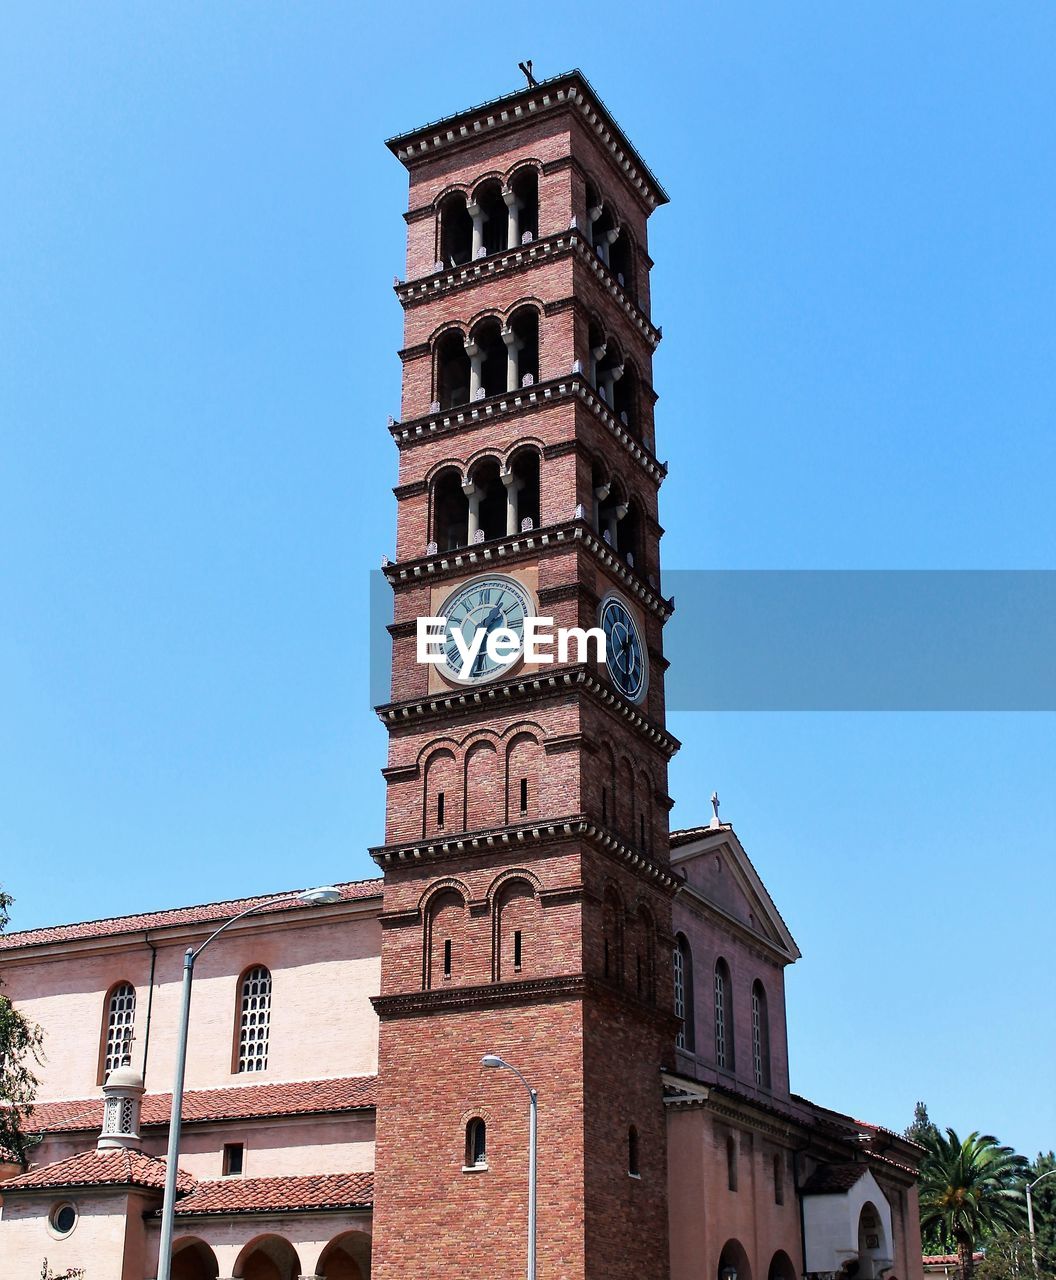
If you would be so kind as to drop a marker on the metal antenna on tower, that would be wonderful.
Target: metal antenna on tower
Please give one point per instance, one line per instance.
(526, 67)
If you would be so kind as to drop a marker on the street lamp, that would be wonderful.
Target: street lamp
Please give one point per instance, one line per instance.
(310, 898)
(493, 1060)
(1030, 1218)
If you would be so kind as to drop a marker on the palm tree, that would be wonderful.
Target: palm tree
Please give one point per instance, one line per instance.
(968, 1190)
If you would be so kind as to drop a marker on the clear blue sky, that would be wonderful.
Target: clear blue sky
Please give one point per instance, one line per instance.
(199, 231)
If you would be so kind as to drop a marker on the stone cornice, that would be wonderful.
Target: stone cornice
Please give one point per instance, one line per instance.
(556, 682)
(438, 1000)
(560, 244)
(478, 412)
(490, 556)
(501, 839)
(570, 90)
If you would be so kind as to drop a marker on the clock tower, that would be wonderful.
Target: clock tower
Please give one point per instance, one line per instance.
(527, 898)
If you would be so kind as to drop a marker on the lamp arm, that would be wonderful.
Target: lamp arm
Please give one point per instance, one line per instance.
(260, 906)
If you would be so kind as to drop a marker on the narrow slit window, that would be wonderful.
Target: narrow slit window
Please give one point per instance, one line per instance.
(731, 1163)
(517, 949)
(779, 1180)
(440, 809)
(476, 1144)
(447, 957)
(524, 795)
(633, 1165)
(604, 804)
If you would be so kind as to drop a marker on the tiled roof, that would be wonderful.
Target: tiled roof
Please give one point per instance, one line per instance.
(833, 1179)
(239, 1102)
(119, 1168)
(280, 1195)
(208, 913)
(947, 1259)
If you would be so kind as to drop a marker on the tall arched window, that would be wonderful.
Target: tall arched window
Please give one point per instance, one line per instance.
(760, 1036)
(683, 965)
(476, 1143)
(119, 1018)
(254, 1019)
(724, 1055)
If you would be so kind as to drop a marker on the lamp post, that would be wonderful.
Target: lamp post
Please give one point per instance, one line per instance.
(493, 1060)
(309, 897)
(1030, 1218)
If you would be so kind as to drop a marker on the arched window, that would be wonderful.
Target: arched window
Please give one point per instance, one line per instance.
(683, 963)
(254, 1021)
(456, 231)
(452, 369)
(724, 1056)
(633, 1167)
(119, 1016)
(731, 1162)
(476, 1144)
(760, 1036)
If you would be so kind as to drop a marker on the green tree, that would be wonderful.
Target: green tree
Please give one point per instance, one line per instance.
(921, 1130)
(1044, 1198)
(21, 1048)
(970, 1189)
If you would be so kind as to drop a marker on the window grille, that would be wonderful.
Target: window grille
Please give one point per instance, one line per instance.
(254, 1020)
(476, 1143)
(721, 1047)
(760, 1037)
(120, 1017)
(680, 995)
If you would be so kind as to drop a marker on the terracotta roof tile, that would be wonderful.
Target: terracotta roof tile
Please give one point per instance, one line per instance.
(280, 1195)
(117, 1168)
(239, 1102)
(207, 913)
(833, 1179)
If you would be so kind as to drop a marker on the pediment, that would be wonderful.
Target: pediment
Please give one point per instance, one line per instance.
(719, 875)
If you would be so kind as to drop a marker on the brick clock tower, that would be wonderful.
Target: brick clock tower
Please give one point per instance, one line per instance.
(527, 901)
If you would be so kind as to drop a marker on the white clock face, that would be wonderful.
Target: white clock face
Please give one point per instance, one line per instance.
(625, 656)
(484, 604)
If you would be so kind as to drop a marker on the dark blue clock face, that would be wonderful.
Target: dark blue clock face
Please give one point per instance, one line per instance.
(624, 652)
(483, 604)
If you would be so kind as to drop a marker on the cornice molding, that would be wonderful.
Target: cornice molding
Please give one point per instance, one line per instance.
(478, 412)
(560, 244)
(439, 1000)
(483, 556)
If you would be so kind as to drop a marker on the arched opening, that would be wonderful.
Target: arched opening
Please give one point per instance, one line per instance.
(522, 480)
(625, 400)
(522, 778)
(760, 1036)
(119, 1018)
(724, 1047)
(483, 786)
(633, 1155)
(517, 931)
(525, 187)
(873, 1253)
(450, 523)
(476, 1156)
(629, 533)
(487, 359)
(445, 926)
(268, 1258)
(488, 199)
(621, 262)
(254, 1019)
(456, 231)
(612, 936)
(487, 502)
(192, 1259)
(452, 369)
(346, 1257)
(604, 232)
(522, 348)
(683, 971)
(733, 1262)
(781, 1267)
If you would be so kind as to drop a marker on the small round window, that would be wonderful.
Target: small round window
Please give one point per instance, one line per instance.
(63, 1218)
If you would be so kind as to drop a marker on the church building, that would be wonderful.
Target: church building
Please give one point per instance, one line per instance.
(533, 906)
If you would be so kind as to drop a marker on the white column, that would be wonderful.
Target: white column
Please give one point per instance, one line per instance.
(600, 494)
(597, 354)
(592, 216)
(479, 218)
(473, 494)
(513, 359)
(613, 519)
(513, 488)
(476, 364)
(608, 384)
(607, 239)
(513, 219)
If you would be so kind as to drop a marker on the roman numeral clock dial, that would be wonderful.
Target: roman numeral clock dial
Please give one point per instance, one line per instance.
(625, 656)
(483, 604)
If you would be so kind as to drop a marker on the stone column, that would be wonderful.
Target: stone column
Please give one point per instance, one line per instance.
(597, 354)
(513, 361)
(614, 517)
(513, 219)
(607, 239)
(513, 488)
(474, 211)
(608, 384)
(476, 363)
(600, 494)
(473, 494)
(592, 216)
